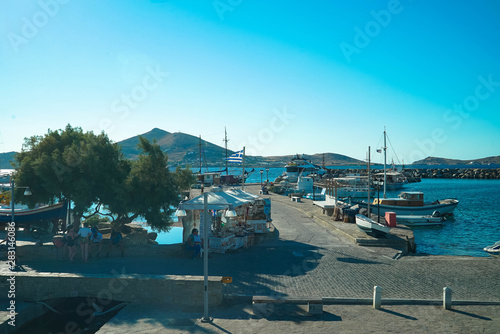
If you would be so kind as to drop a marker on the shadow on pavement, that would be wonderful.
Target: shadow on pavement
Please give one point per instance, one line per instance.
(398, 314)
(470, 315)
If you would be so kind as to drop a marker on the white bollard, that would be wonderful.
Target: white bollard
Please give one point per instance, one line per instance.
(447, 298)
(377, 297)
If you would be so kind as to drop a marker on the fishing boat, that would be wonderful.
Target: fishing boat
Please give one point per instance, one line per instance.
(412, 203)
(48, 212)
(413, 221)
(493, 249)
(371, 227)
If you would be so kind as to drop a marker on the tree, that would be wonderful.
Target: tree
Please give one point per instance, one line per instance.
(184, 178)
(91, 171)
(68, 165)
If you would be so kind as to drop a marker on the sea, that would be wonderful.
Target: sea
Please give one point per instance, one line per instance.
(476, 220)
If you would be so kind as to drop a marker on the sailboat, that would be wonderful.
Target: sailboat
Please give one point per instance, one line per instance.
(366, 224)
(411, 203)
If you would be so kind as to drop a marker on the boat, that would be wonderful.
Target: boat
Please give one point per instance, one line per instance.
(353, 186)
(300, 166)
(25, 217)
(371, 227)
(493, 249)
(391, 180)
(412, 203)
(427, 220)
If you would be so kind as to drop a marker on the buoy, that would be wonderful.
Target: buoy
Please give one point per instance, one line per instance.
(227, 279)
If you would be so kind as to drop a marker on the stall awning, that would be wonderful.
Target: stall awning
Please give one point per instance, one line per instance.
(220, 200)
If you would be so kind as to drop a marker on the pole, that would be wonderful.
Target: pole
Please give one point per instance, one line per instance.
(385, 162)
(225, 140)
(243, 171)
(205, 318)
(12, 197)
(267, 175)
(368, 182)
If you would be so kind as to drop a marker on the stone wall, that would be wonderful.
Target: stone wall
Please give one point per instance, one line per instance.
(171, 289)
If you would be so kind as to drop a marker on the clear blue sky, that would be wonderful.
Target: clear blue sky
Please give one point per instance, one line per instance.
(283, 77)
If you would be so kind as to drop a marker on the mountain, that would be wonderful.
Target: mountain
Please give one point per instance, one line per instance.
(330, 159)
(443, 161)
(181, 148)
(5, 159)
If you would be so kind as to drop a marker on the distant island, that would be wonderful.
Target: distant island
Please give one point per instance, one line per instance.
(183, 149)
(443, 161)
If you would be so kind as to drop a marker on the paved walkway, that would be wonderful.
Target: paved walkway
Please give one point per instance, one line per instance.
(306, 258)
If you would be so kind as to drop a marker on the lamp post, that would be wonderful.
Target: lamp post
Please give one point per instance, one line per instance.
(267, 175)
(229, 214)
(27, 192)
(261, 172)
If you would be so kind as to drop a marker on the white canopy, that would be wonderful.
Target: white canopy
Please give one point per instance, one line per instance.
(220, 200)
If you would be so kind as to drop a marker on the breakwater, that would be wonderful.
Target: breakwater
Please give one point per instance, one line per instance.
(415, 174)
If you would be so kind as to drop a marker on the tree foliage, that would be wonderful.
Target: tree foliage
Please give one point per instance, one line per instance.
(91, 171)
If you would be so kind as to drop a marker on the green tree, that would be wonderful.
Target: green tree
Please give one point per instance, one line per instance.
(91, 171)
(184, 178)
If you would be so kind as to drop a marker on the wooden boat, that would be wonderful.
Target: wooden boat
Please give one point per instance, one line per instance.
(43, 213)
(493, 249)
(371, 227)
(412, 203)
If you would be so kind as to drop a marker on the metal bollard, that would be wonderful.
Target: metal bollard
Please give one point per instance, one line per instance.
(447, 298)
(377, 297)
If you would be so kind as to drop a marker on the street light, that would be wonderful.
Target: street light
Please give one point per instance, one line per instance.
(261, 172)
(230, 213)
(27, 192)
(267, 175)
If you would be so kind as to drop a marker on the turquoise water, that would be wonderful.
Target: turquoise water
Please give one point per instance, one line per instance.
(476, 221)
(174, 236)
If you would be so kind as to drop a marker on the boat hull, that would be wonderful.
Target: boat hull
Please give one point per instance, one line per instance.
(419, 220)
(443, 208)
(48, 212)
(371, 227)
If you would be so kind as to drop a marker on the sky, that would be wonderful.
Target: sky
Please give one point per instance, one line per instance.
(282, 77)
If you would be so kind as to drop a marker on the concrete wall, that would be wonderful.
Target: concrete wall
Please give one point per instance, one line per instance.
(171, 289)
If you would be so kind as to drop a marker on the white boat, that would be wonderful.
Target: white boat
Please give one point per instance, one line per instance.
(412, 203)
(428, 220)
(353, 186)
(371, 227)
(493, 249)
(300, 166)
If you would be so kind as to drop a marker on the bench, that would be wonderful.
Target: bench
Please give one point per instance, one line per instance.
(295, 199)
(260, 303)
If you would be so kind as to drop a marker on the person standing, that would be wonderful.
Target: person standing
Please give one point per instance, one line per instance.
(84, 234)
(71, 237)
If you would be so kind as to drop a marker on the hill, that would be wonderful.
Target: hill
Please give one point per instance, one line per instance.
(443, 161)
(5, 159)
(181, 148)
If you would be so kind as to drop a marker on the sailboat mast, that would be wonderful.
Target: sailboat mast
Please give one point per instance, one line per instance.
(243, 171)
(385, 163)
(199, 146)
(368, 214)
(225, 141)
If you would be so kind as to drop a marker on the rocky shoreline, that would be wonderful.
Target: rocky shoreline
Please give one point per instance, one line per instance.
(415, 174)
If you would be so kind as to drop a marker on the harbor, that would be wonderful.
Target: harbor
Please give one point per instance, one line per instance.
(306, 255)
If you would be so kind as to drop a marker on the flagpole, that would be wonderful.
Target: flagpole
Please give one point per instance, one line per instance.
(243, 171)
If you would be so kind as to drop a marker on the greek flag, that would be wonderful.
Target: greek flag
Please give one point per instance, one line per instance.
(236, 157)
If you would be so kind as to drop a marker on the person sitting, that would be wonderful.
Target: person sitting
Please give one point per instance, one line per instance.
(194, 243)
(95, 240)
(115, 240)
